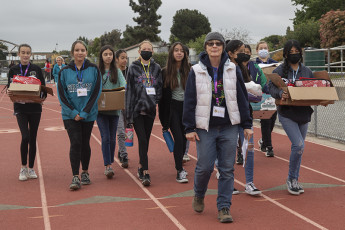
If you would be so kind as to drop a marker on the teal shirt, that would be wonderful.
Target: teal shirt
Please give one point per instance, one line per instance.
(107, 84)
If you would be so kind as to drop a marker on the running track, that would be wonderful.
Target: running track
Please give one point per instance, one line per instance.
(123, 203)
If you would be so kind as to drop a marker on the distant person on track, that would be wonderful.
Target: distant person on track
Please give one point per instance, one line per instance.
(267, 125)
(175, 76)
(57, 67)
(47, 70)
(79, 87)
(215, 104)
(121, 62)
(143, 92)
(28, 114)
(107, 120)
(294, 119)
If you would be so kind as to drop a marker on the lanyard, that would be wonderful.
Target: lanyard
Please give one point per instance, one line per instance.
(147, 73)
(106, 78)
(26, 71)
(80, 78)
(215, 76)
(294, 75)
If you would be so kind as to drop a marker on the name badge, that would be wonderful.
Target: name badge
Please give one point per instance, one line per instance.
(82, 92)
(218, 111)
(150, 91)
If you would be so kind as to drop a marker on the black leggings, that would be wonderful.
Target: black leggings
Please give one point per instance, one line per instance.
(267, 126)
(143, 127)
(28, 124)
(79, 134)
(177, 130)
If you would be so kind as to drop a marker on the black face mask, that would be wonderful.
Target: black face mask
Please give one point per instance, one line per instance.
(294, 58)
(246, 57)
(241, 57)
(146, 55)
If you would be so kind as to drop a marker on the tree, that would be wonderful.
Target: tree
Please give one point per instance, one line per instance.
(188, 25)
(111, 38)
(236, 33)
(197, 44)
(315, 9)
(148, 23)
(94, 47)
(332, 29)
(275, 42)
(2, 47)
(84, 39)
(307, 33)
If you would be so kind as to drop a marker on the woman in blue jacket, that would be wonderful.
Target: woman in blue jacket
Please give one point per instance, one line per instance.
(57, 67)
(294, 119)
(112, 78)
(79, 87)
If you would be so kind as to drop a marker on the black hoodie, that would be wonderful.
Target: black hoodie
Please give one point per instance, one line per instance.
(137, 100)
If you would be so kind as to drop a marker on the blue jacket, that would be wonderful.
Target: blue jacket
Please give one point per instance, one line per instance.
(190, 98)
(68, 83)
(56, 71)
(269, 61)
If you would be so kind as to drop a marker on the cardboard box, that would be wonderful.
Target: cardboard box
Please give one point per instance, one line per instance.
(263, 114)
(112, 100)
(305, 96)
(268, 68)
(28, 93)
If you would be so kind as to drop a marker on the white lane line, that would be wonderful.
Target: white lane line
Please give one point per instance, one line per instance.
(6, 109)
(313, 170)
(270, 199)
(153, 198)
(43, 192)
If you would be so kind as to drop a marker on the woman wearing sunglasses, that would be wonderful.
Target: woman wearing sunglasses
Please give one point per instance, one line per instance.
(215, 104)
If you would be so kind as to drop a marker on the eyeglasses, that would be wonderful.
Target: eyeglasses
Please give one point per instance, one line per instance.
(214, 43)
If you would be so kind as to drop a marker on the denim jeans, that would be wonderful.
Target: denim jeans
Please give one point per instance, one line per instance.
(121, 136)
(107, 125)
(249, 167)
(296, 133)
(216, 143)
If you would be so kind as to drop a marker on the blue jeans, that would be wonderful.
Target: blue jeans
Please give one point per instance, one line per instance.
(107, 125)
(249, 167)
(296, 133)
(218, 143)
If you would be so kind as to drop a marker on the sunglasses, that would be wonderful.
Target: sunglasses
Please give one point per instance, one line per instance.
(214, 43)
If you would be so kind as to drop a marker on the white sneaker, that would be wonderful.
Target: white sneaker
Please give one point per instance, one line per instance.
(181, 176)
(32, 174)
(186, 158)
(23, 174)
(251, 189)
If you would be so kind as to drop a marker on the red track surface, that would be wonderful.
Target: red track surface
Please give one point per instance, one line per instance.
(122, 203)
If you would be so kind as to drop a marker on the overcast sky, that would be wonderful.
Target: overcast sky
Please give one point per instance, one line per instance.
(45, 23)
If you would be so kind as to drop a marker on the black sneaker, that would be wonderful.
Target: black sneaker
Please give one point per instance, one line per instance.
(146, 180)
(239, 160)
(235, 192)
(181, 176)
(300, 188)
(85, 178)
(292, 186)
(124, 162)
(75, 185)
(269, 151)
(224, 216)
(140, 174)
(262, 148)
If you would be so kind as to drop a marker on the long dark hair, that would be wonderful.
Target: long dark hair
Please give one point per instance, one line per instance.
(119, 52)
(113, 69)
(233, 46)
(287, 47)
(171, 68)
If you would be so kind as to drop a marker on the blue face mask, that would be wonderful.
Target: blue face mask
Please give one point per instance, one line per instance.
(263, 53)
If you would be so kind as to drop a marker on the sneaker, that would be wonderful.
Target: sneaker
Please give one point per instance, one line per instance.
(224, 216)
(239, 160)
(185, 172)
(251, 189)
(292, 186)
(23, 174)
(140, 174)
(109, 172)
(217, 175)
(124, 162)
(185, 158)
(300, 188)
(75, 185)
(181, 176)
(269, 151)
(146, 180)
(32, 174)
(260, 142)
(198, 204)
(235, 192)
(85, 178)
